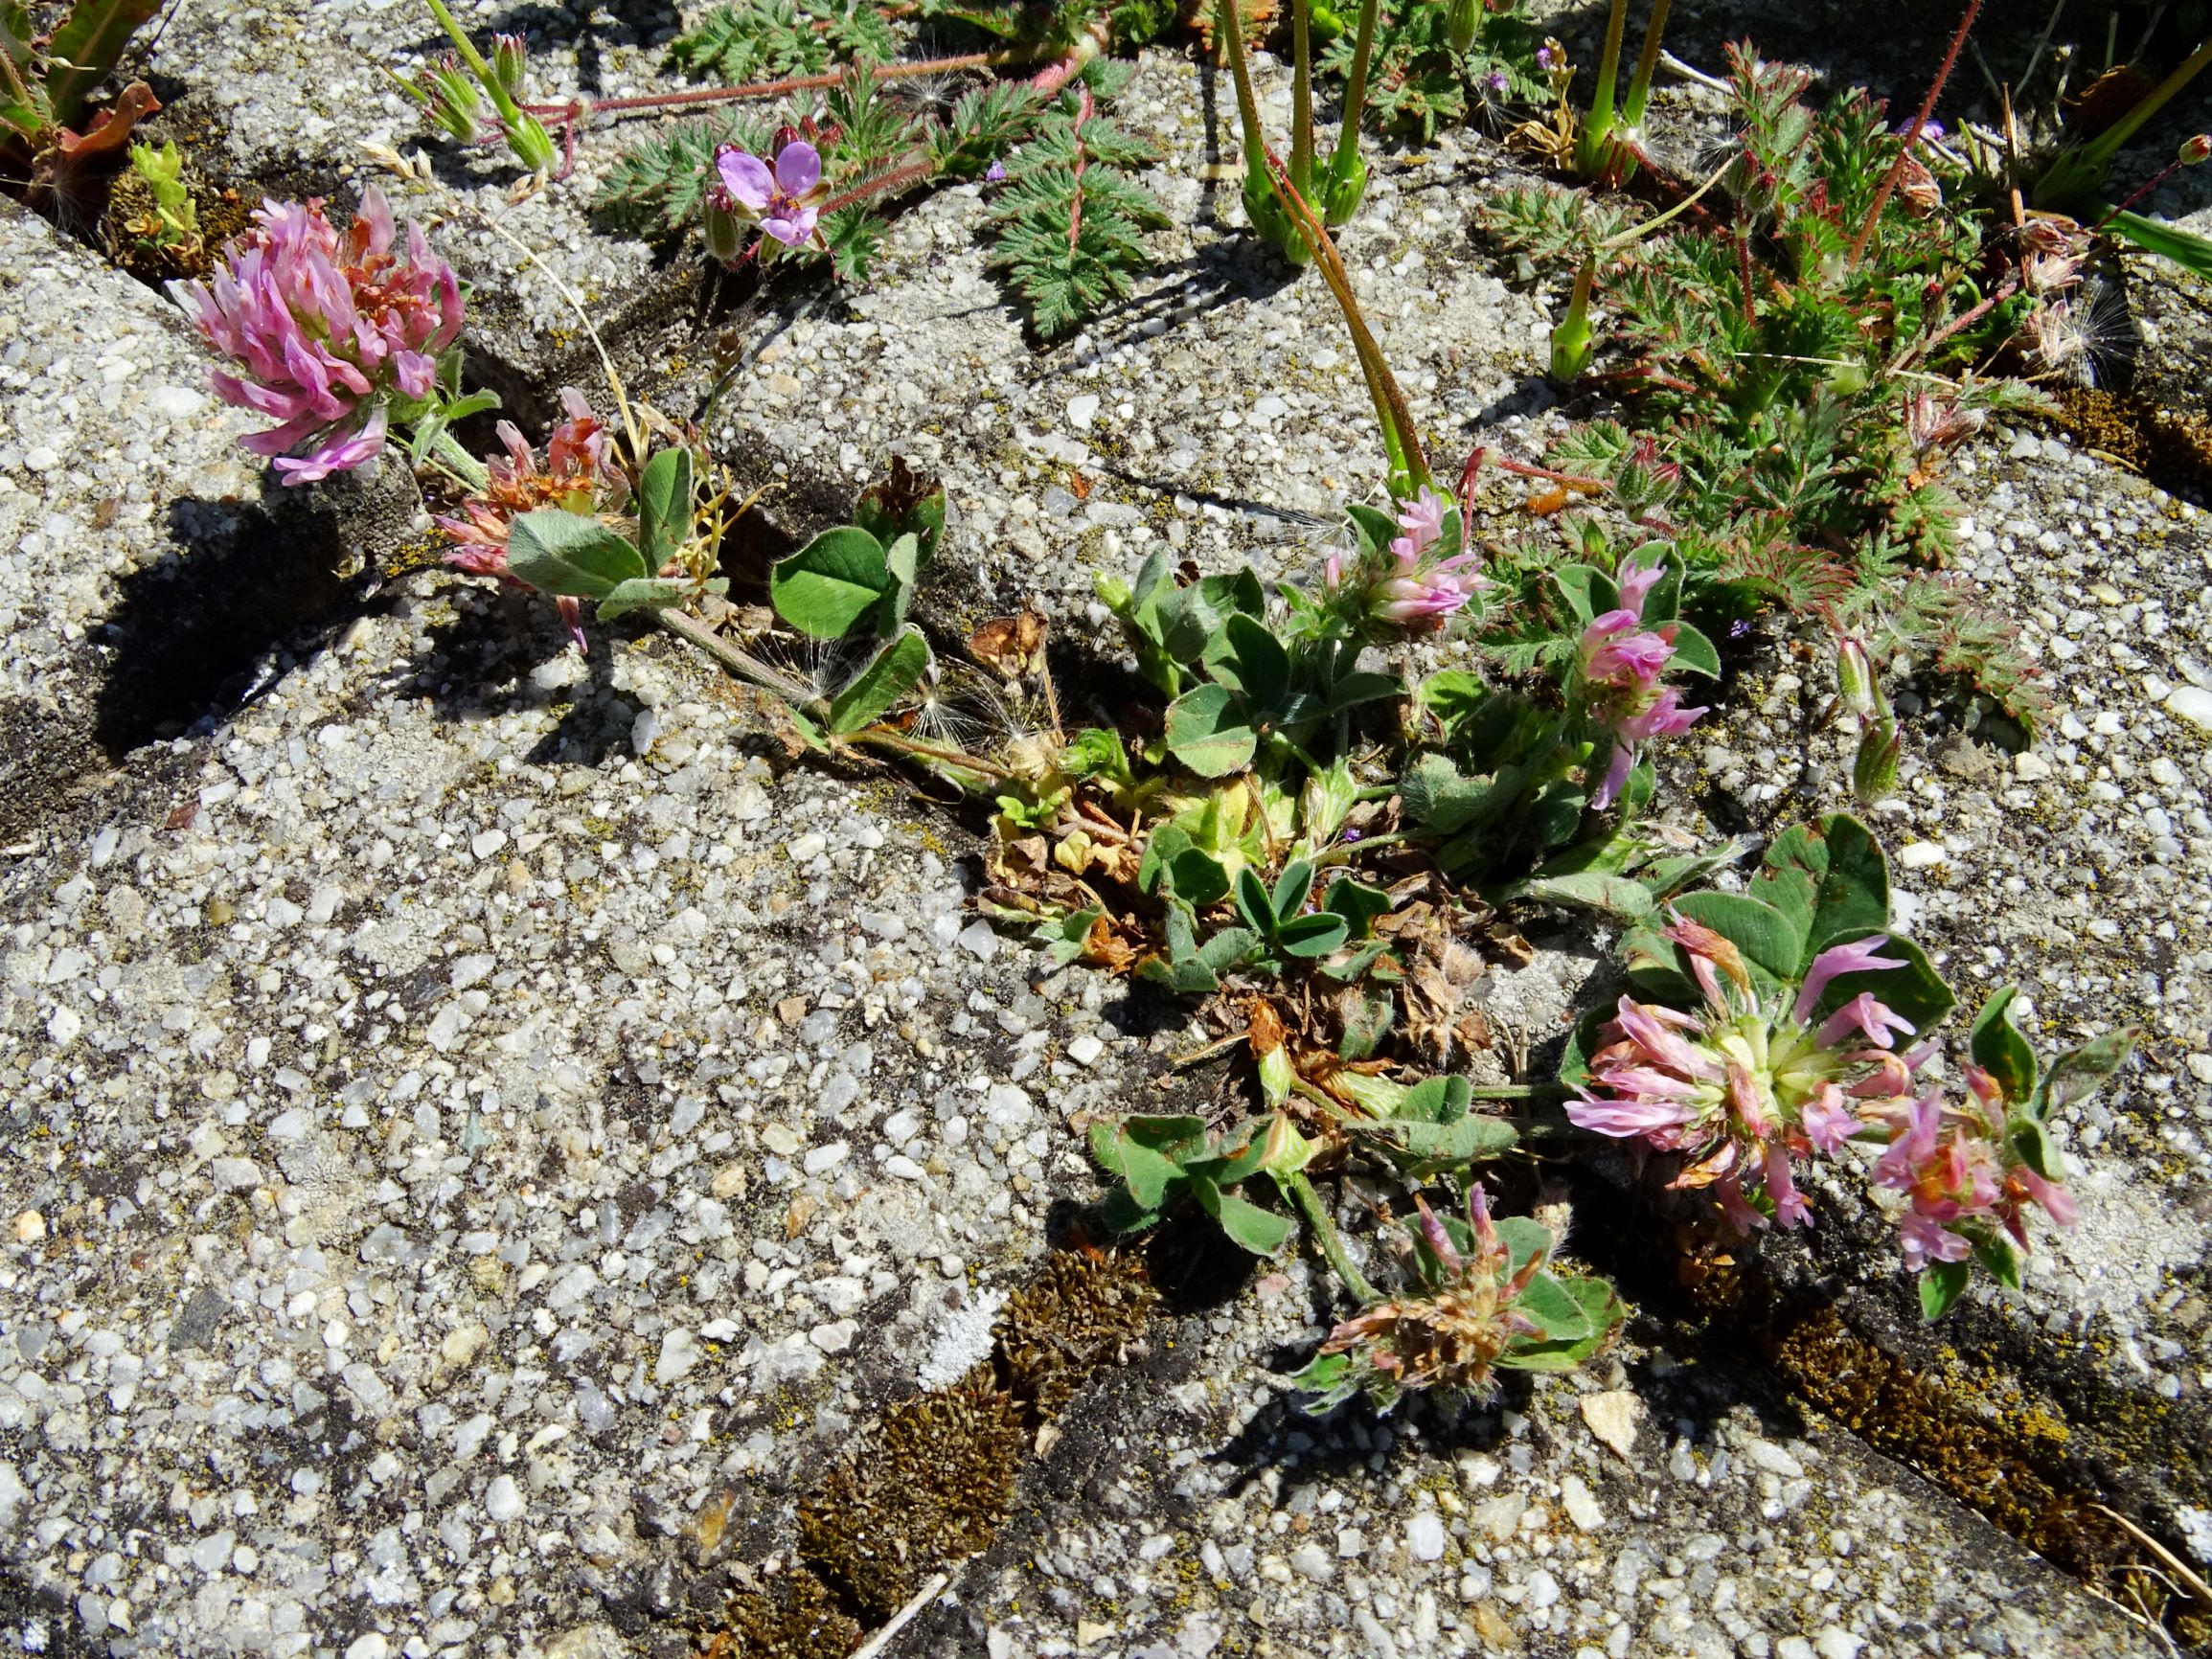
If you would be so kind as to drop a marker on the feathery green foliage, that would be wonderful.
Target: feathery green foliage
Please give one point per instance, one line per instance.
(1419, 83)
(655, 186)
(770, 40)
(1069, 230)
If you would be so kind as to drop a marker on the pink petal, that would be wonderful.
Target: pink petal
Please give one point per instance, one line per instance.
(799, 168)
(746, 178)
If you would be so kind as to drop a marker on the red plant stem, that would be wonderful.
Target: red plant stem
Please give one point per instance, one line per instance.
(1530, 469)
(1964, 320)
(1467, 477)
(1888, 186)
(897, 180)
(577, 107)
(2164, 173)
(1744, 270)
(1075, 131)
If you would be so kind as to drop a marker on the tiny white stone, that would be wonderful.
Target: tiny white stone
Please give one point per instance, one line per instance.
(42, 459)
(373, 1645)
(503, 1499)
(1580, 1504)
(820, 1158)
(1086, 1049)
(679, 1352)
(836, 1338)
(2193, 703)
(487, 843)
(62, 1026)
(807, 848)
(1424, 1536)
(1921, 854)
(1082, 410)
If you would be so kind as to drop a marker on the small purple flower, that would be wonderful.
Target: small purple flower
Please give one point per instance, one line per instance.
(785, 200)
(1497, 82)
(1546, 59)
(996, 173)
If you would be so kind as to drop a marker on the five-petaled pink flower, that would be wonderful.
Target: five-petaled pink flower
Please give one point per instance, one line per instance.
(784, 199)
(325, 330)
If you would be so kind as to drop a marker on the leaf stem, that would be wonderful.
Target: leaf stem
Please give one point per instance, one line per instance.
(1300, 1192)
(696, 634)
(1355, 86)
(1890, 179)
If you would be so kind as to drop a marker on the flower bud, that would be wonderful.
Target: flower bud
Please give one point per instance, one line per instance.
(451, 99)
(1874, 772)
(725, 229)
(2196, 150)
(1855, 680)
(509, 54)
(1571, 340)
(531, 142)
(1460, 20)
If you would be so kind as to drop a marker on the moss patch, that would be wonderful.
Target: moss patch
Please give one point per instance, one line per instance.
(2170, 447)
(796, 1618)
(1074, 1317)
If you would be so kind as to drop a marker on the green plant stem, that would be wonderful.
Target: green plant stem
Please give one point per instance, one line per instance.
(1400, 438)
(1232, 28)
(1300, 1191)
(1647, 63)
(1890, 179)
(1520, 1092)
(510, 112)
(446, 449)
(884, 737)
(2099, 153)
(579, 108)
(1301, 96)
(1355, 86)
(1594, 144)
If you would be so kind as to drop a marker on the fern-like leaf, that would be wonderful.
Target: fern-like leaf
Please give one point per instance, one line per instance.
(770, 39)
(1070, 228)
(654, 187)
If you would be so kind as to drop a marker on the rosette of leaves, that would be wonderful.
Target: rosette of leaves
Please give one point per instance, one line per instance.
(1255, 690)
(1165, 1161)
(856, 582)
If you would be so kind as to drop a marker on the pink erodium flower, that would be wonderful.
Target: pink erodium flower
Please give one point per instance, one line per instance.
(784, 199)
(325, 330)
(1746, 1084)
(579, 474)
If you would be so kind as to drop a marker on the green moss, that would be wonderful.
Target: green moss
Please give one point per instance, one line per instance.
(795, 1618)
(928, 1485)
(1075, 1316)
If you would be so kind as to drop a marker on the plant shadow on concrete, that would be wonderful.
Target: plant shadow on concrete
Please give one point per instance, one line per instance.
(252, 590)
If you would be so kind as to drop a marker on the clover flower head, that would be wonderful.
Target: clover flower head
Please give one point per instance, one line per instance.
(1963, 1175)
(1451, 1336)
(1406, 589)
(1748, 1083)
(1622, 662)
(785, 198)
(579, 474)
(325, 330)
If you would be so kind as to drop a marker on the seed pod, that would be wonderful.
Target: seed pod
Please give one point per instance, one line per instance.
(508, 57)
(1874, 772)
